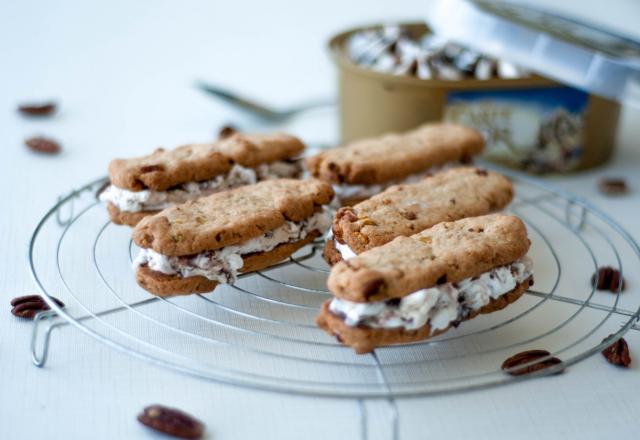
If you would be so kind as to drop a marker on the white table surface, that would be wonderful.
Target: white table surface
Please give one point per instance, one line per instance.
(123, 73)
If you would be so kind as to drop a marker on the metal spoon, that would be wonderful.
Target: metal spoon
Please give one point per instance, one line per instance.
(260, 110)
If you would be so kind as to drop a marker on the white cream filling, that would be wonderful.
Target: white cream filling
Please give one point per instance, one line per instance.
(222, 265)
(345, 251)
(348, 190)
(148, 200)
(439, 306)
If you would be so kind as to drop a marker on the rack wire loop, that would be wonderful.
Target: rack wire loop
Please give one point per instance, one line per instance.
(576, 215)
(39, 357)
(62, 222)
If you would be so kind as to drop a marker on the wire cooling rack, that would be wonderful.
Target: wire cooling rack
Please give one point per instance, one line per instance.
(260, 332)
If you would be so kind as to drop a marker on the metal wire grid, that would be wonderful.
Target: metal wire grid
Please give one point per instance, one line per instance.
(286, 338)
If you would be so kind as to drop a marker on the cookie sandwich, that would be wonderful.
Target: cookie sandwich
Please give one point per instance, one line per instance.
(145, 185)
(193, 247)
(413, 288)
(407, 209)
(366, 167)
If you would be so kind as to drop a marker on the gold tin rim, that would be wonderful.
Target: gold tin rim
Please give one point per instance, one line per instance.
(340, 58)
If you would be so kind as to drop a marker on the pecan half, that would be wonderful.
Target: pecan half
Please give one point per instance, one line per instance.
(151, 168)
(348, 213)
(42, 145)
(617, 353)
(409, 215)
(28, 306)
(37, 109)
(608, 278)
(510, 366)
(613, 186)
(171, 421)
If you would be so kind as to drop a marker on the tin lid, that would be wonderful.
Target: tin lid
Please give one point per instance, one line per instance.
(565, 49)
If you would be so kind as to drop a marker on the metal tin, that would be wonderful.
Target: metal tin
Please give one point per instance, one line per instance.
(531, 123)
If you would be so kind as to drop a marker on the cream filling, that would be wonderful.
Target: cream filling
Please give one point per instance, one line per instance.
(439, 306)
(348, 190)
(345, 251)
(148, 200)
(222, 265)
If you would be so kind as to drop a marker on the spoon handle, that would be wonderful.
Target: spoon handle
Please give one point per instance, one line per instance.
(257, 108)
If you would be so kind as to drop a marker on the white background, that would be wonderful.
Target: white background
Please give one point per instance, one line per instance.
(123, 72)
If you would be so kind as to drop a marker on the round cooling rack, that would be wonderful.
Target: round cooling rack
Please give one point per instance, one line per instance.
(260, 333)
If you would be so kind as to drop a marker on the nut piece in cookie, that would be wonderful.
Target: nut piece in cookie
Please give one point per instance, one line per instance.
(366, 167)
(416, 287)
(408, 209)
(193, 247)
(145, 185)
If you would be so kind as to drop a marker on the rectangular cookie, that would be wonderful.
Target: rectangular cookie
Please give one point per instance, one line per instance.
(415, 287)
(191, 248)
(407, 209)
(145, 185)
(366, 167)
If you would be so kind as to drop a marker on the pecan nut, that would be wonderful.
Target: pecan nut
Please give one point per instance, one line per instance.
(42, 145)
(608, 278)
(348, 213)
(171, 421)
(617, 353)
(409, 215)
(613, 186)
(37, 109)
(151, 168)
(527, 361)
(30, 305)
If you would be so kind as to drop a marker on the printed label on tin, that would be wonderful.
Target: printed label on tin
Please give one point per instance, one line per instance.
(538, 129)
